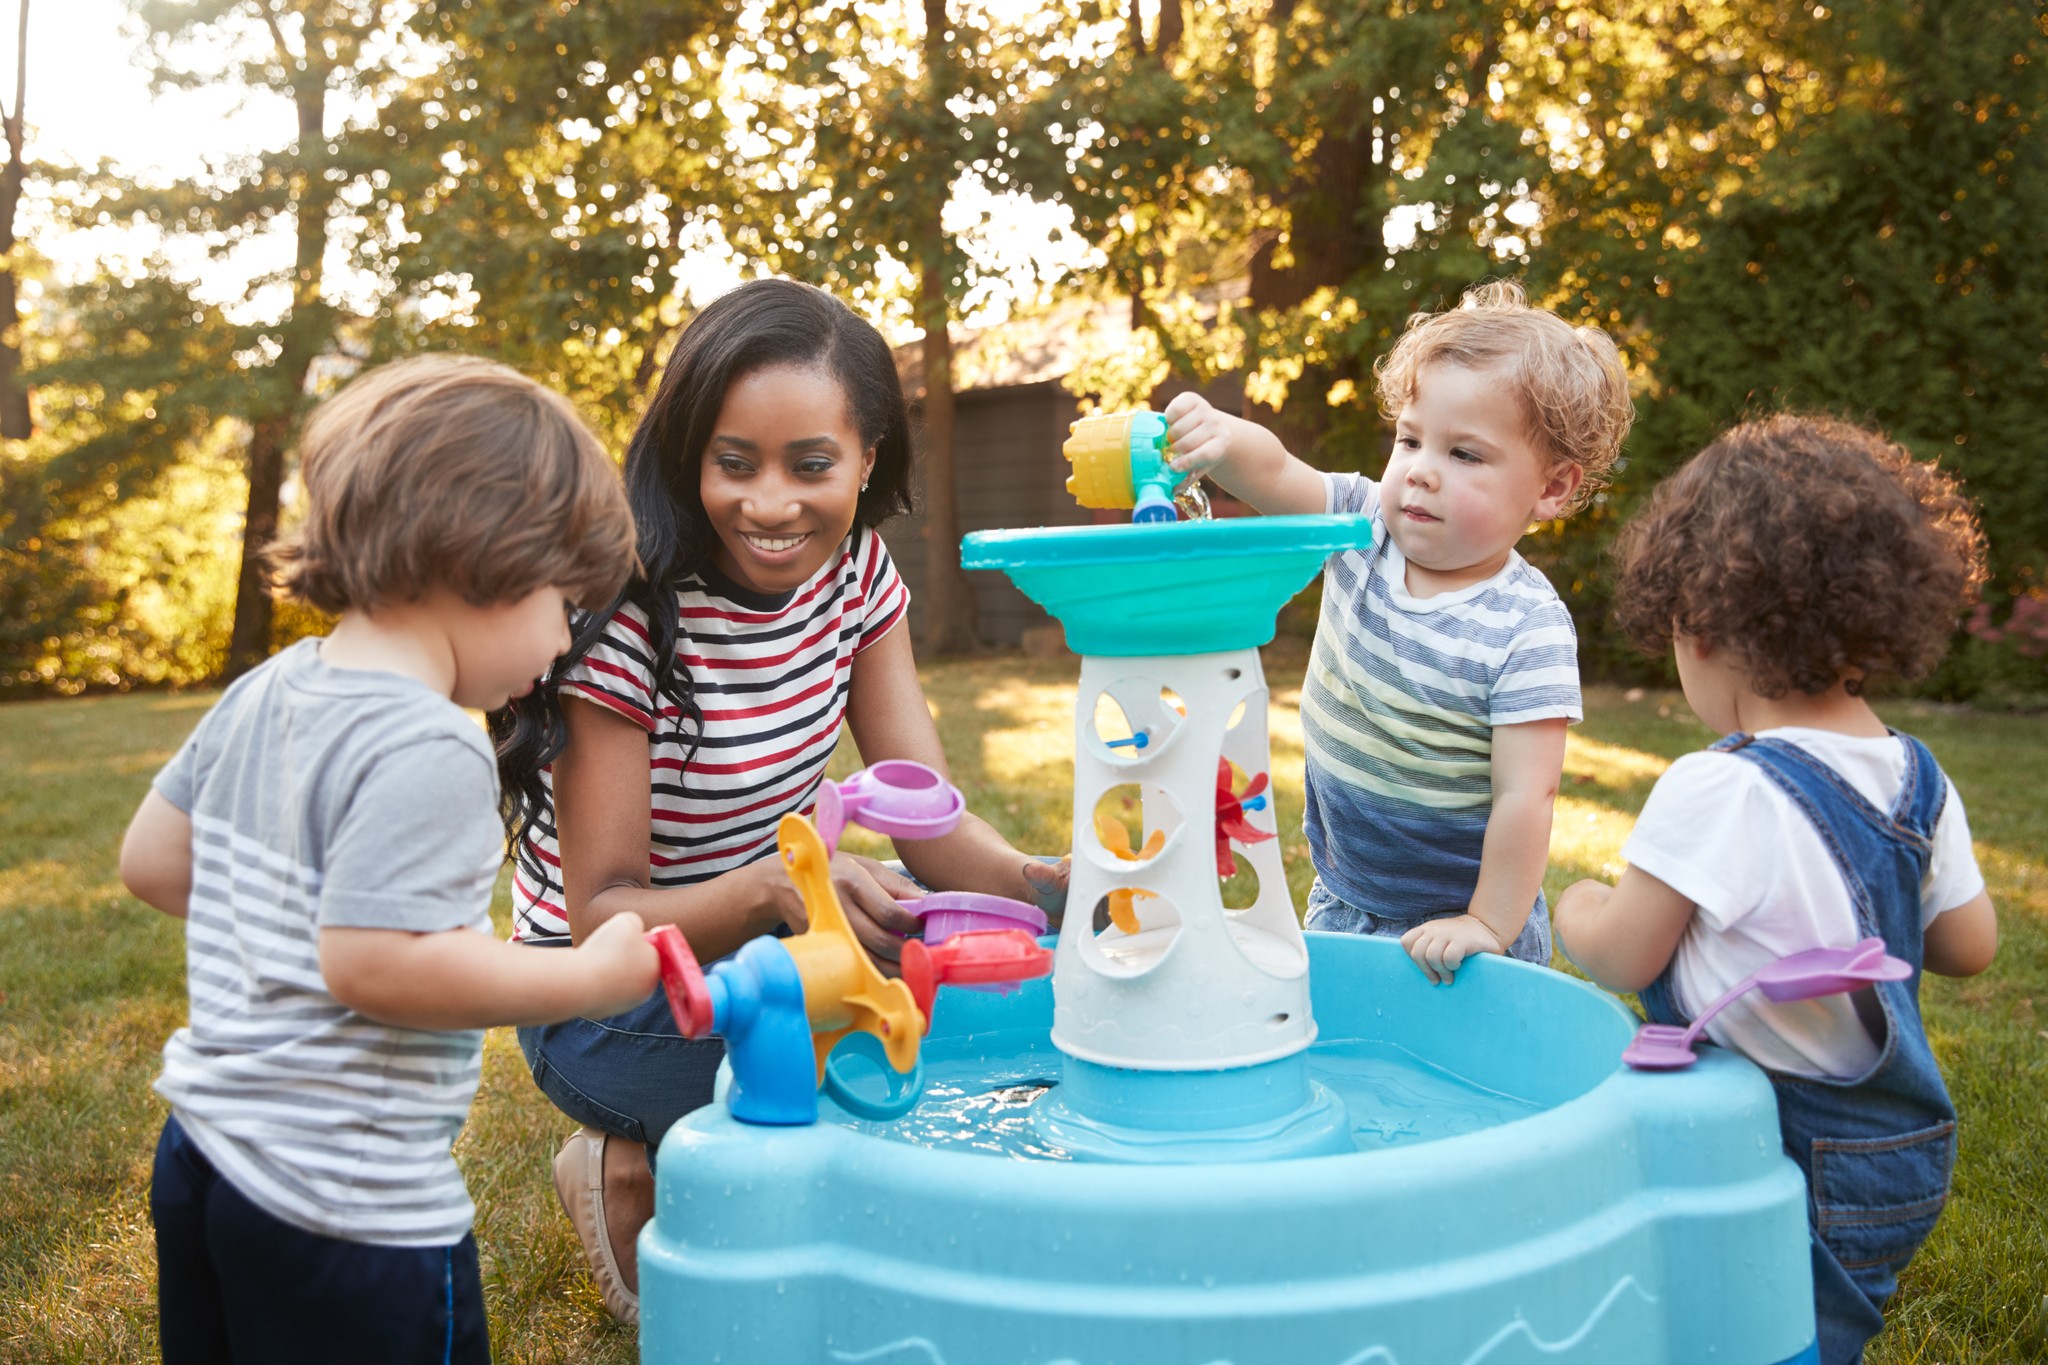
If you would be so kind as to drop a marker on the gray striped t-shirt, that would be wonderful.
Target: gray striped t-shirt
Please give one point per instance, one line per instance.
(1398, 712)
(324, 797)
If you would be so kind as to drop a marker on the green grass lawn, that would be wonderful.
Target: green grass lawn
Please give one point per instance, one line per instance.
(92, 982)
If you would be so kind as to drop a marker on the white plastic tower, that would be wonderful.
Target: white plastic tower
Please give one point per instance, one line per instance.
(1199, 987)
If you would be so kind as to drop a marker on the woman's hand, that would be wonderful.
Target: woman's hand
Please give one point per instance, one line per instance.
(1048, 883)
(867, 893)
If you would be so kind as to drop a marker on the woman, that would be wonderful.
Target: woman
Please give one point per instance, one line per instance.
(650, 771)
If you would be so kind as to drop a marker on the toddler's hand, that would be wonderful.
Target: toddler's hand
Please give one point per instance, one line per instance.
(1440, 946)
(620, 966)
(1198, 435)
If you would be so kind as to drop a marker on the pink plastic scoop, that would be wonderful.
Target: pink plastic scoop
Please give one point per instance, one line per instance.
(1802, 976)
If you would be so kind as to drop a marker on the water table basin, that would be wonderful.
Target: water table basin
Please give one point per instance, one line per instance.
(1515, 1195)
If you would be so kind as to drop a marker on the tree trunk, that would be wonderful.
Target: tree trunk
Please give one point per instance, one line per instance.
(1171, 24)
(949, 614)
(16, 422)
(249, 642)
(300, 338)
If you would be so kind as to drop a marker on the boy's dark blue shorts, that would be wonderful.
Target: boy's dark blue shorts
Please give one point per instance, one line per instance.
(235, 1284)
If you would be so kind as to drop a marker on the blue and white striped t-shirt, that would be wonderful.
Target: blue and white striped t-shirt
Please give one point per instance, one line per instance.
(328, 798)
(1398, 712)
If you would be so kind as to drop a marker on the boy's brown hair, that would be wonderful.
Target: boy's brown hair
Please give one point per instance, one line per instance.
(454, 472)
(1569, 380)
(1815, 551)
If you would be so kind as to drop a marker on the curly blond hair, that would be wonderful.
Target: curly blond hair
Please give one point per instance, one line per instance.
(1569, 380)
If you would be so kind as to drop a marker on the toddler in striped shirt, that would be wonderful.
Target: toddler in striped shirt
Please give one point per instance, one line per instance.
(1445, 668)
(329, 834)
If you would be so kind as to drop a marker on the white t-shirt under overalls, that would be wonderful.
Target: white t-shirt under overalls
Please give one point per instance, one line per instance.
(1719, 832)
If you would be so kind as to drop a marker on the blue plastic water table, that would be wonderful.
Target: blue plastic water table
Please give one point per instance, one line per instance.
(1516, 1195)
(1488, 1182)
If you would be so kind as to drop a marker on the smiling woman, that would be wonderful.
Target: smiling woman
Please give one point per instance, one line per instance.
(690, 716)
(782, 478)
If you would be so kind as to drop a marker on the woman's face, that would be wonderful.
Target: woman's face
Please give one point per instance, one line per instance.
(781, 476)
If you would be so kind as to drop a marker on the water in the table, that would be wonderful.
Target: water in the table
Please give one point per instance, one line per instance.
(980, 1098)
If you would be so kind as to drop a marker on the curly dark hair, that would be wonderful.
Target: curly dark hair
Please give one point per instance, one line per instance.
(1815, 550)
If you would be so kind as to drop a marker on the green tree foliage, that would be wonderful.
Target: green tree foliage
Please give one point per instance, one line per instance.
(554, 166)
(565, 162)
(167, 368)
(1283, 137)
(1769, 203)
(1820, 209)
(130, 402)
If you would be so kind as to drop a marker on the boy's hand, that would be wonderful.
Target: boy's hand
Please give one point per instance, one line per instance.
(1198, 435)
(1244, 458)
(1440, 946)
(621, 967)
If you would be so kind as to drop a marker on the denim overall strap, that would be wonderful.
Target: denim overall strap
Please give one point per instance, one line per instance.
(1877, 1149)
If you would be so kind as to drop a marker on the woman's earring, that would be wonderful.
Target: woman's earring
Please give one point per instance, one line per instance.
(863, 485)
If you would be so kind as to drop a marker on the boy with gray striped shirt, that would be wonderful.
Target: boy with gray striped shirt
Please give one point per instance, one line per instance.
(329, 833)
(1444, 669)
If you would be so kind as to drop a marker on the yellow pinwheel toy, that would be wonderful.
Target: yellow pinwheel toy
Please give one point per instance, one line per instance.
(1117, 839)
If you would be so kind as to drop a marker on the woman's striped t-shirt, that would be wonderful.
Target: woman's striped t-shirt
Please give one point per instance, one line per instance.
(1398, 712)
(771, 676)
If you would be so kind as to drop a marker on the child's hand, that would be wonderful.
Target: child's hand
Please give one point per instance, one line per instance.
(1198, 435)
(1440, 946)
(620, 966)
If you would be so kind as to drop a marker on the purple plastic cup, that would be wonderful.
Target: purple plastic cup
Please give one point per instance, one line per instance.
(946, 913)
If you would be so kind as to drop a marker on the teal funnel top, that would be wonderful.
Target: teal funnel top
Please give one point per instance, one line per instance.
(1191, 587)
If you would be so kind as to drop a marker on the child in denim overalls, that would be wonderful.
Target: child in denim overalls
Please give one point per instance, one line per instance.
(1786, 566)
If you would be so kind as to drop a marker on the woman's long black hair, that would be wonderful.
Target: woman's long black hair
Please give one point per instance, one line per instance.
(761, 324)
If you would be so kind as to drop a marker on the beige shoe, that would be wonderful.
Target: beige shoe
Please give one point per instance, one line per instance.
(579, 1180)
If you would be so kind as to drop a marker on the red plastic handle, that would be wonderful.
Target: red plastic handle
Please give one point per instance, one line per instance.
(980, 958)
(689, 999)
